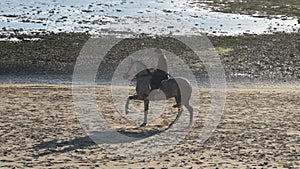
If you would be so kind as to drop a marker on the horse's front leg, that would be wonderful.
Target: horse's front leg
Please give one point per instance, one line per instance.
(134, 97)
(146, 107)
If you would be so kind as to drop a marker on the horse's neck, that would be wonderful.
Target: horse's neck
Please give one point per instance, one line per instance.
(143, 81)
(142, 74)
(140, 69)
(143, 78)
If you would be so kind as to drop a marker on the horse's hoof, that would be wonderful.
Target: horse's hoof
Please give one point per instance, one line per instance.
(143, 125)
(176, 106)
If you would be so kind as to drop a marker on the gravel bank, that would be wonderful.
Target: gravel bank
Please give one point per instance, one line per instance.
(274, 57)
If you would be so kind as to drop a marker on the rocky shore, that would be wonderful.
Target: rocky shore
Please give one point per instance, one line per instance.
(255, 57)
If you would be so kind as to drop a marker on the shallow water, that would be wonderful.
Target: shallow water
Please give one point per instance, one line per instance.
(134, 16)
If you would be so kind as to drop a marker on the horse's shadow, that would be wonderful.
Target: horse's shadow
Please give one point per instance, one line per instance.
(94, 138)
(56, 147)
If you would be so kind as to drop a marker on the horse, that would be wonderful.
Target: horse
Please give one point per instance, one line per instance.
(177, 87)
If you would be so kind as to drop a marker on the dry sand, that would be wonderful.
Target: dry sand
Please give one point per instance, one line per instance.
(40, 129)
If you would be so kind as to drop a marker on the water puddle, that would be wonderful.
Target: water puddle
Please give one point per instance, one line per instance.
(133, 16)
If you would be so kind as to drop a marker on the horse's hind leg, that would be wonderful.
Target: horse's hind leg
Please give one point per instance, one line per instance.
(190, 109)
(179, 107)
(177, 117)
(126, 106)
(146, 107)
(178, 101)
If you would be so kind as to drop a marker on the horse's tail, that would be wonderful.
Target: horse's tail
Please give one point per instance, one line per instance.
(185, 89)
(186, 94)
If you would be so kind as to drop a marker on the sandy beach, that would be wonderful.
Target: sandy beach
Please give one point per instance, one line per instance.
(40, 129)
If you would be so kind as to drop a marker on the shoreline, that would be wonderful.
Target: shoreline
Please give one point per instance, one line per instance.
(230, 87)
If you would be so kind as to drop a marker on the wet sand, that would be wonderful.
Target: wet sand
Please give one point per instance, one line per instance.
(40, 129)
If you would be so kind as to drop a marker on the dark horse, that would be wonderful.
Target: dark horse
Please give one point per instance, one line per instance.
(178, 87)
